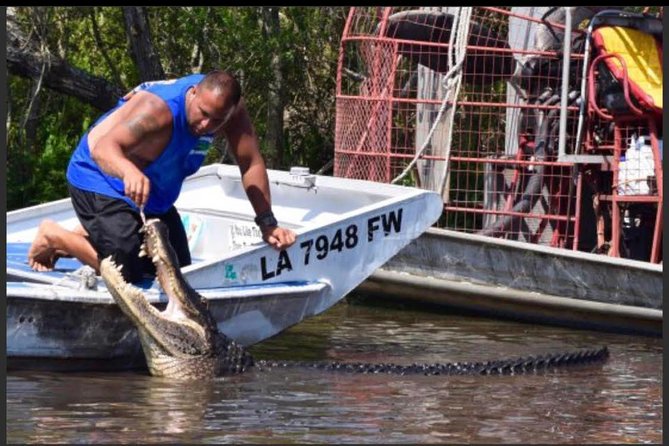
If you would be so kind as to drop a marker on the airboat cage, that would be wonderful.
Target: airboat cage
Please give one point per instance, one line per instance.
(534, 123)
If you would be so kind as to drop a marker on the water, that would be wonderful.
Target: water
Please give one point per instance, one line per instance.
(619, 401)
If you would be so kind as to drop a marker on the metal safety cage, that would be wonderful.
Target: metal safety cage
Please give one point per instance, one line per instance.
(485, 106)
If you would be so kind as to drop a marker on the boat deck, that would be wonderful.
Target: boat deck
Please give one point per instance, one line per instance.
(65, 268)
(17, 257)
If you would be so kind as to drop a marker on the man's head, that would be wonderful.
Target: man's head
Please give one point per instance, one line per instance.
(211, 103)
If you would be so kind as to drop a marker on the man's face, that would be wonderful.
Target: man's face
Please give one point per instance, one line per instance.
(207, 110)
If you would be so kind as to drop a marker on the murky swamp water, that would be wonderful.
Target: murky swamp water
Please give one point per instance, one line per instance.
(619, 401)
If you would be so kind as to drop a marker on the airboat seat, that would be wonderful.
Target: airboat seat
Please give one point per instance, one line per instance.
(634, 58)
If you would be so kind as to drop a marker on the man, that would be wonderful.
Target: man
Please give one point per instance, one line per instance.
(136, 156)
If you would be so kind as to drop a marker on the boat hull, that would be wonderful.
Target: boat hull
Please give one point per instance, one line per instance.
(523, 281)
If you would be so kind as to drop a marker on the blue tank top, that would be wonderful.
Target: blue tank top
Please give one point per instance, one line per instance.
(183, 155)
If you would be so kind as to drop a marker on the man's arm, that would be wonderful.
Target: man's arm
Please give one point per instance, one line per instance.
(245, 147)
(122, 146)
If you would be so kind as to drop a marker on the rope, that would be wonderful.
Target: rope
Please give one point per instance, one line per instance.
(451, 80)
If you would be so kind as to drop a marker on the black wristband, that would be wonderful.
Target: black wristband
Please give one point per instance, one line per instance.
(266, 220)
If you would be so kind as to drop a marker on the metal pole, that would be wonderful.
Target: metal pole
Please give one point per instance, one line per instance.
(566, 56)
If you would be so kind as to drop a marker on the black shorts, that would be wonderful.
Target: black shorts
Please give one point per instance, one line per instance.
(113, 230)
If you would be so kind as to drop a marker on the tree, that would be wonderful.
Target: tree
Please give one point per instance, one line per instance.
(275, 92)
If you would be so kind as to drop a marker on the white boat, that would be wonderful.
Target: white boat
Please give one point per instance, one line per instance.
(345, 229)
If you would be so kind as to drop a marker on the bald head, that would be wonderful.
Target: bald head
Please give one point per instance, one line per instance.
(222, 82)
(211, 103)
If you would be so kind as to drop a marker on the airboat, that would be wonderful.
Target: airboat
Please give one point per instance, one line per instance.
(541, 129)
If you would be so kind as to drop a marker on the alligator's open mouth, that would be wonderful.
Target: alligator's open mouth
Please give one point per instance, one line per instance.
(183, 340)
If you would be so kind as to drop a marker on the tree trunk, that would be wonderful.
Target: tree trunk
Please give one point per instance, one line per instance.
(275, 96)
(141, 46)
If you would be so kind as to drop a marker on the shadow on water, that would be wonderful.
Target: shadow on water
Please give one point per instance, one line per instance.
(618, 401)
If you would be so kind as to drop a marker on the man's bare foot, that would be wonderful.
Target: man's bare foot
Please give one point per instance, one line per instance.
(42, 255)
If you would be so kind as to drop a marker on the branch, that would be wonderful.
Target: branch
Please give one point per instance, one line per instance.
(25, 59)
(101, 47)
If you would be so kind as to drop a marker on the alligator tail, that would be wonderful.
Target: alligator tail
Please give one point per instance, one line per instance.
(530, 364)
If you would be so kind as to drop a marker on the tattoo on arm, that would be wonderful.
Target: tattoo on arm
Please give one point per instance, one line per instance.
(142, 125)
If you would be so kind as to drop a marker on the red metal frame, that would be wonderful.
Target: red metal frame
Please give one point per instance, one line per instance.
(382, 119)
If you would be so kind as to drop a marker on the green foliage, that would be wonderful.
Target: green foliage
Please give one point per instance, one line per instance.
(36, 166)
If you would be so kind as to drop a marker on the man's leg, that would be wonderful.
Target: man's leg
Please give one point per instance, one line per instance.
(113, 230)
(53, 241)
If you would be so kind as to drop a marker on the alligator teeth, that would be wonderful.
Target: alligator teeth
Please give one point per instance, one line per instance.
(142, 252)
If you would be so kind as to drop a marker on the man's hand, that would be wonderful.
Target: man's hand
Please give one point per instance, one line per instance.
(137, 186)
(279, 238)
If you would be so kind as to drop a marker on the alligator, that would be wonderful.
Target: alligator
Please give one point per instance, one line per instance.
(184, 341)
